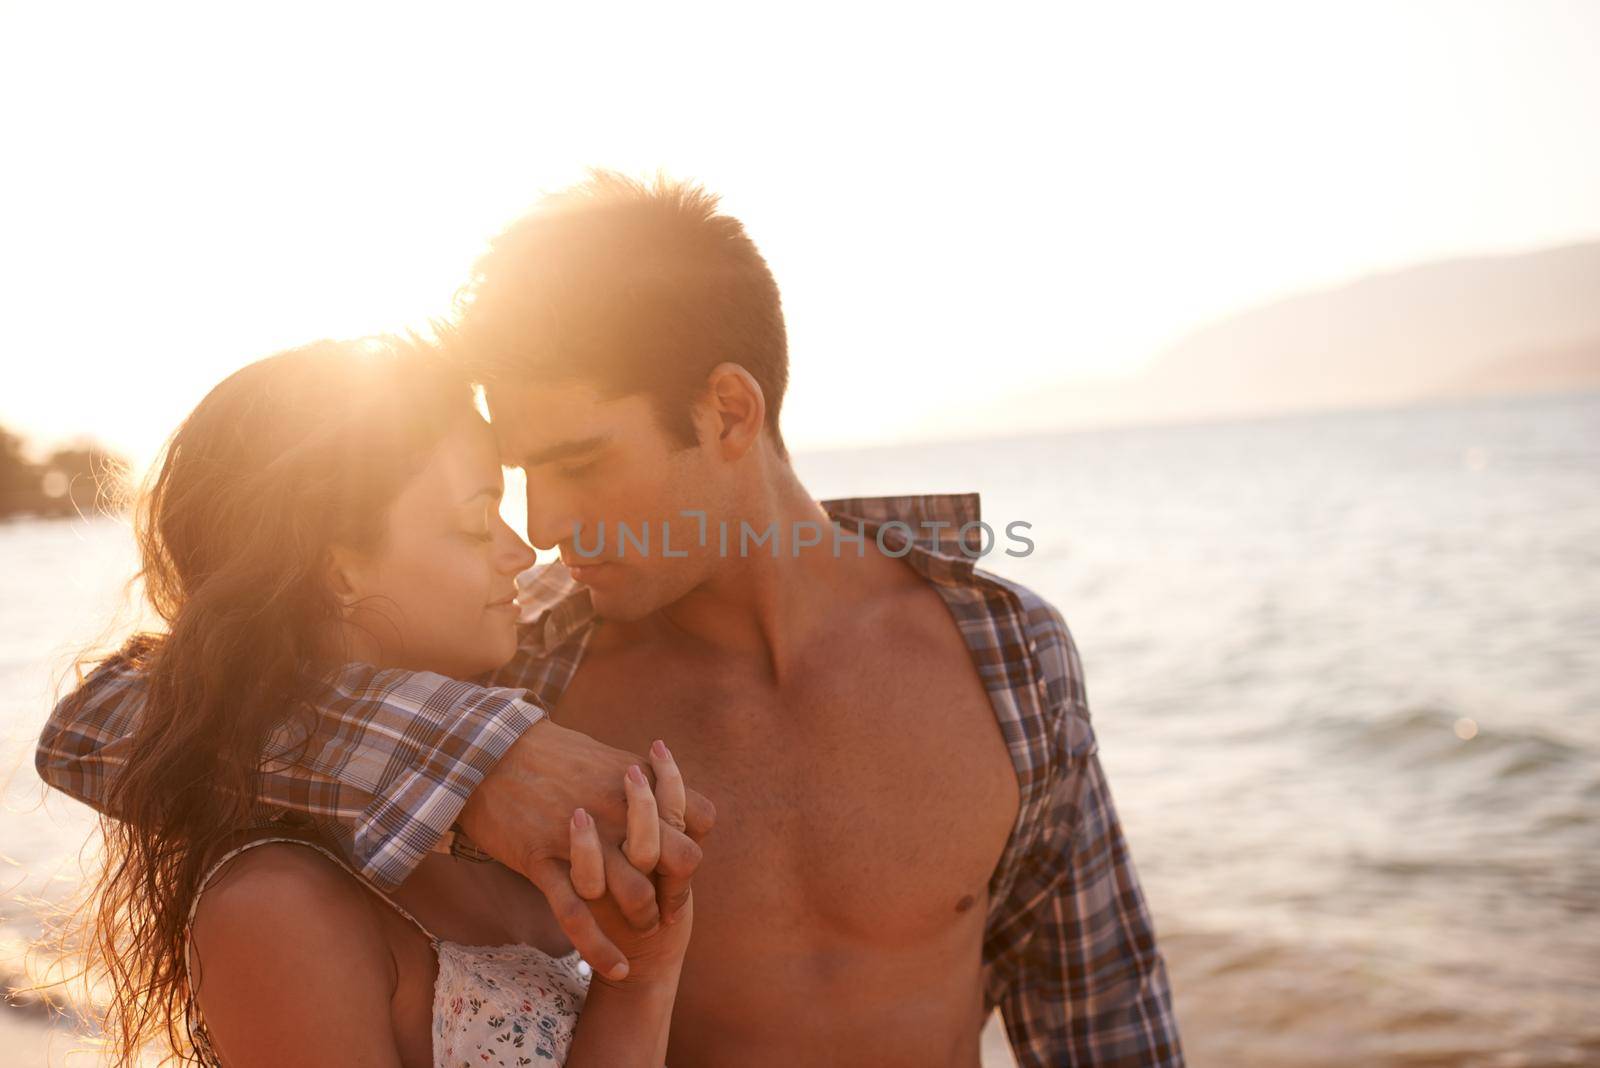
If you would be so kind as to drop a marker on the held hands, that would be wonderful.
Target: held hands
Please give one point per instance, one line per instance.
(521, 813)
(658, 953)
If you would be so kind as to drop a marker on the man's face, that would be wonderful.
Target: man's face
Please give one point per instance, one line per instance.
(607, 486)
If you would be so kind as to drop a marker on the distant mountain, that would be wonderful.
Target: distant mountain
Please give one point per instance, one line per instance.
(1454, 328)
(1407, 335)
(1571, 367)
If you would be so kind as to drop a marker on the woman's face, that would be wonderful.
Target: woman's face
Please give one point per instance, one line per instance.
(436, 595)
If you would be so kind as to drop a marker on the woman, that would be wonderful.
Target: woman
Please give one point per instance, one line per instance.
(329, 504)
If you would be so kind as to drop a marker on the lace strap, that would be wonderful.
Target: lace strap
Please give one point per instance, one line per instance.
(324, 850)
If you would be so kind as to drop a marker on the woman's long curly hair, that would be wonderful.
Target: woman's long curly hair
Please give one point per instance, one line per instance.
(283, 460)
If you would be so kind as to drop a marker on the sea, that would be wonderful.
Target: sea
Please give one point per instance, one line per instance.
(1344, 668)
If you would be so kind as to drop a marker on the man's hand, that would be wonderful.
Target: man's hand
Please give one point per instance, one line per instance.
(520, 815)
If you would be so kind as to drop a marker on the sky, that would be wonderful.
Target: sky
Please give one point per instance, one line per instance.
(956, 201)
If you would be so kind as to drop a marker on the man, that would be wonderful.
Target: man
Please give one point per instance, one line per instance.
(913, 826)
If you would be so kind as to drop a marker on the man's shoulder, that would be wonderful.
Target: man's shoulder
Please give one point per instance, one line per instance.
(1050, 644)
(1044, 624)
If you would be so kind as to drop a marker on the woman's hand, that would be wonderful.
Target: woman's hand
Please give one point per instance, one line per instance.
(657, 954)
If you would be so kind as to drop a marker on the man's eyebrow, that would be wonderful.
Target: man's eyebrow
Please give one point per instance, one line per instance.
(562, 450)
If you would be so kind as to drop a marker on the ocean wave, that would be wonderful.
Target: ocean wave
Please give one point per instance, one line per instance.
(1421, 735)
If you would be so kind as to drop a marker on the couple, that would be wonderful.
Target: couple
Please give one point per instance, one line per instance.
(385, 794)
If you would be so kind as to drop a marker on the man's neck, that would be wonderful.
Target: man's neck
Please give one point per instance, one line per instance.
(770, 606)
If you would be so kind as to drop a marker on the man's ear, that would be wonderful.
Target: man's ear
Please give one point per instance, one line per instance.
(343, 573)
(735, 400)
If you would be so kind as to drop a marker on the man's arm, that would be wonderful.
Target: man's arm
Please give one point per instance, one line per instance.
(1073, 946)
(389, 764)
(1087, 984)
(391, 757)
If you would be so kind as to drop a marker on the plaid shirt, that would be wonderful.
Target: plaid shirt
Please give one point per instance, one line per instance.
(1069, 953)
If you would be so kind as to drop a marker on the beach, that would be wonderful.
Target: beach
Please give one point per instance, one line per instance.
(1343, 668)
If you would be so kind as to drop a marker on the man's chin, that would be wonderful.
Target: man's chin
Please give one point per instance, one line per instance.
(628, 595)
(617, 606)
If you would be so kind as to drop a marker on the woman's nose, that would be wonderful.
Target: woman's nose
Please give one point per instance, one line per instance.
(515, 554)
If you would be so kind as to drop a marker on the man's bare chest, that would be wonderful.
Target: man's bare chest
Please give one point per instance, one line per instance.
(871, 791)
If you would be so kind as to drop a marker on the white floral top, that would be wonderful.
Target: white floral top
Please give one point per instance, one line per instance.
(505, 1005)
(493, 1006)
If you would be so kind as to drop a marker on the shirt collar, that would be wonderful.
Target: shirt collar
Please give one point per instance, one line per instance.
(938, 533)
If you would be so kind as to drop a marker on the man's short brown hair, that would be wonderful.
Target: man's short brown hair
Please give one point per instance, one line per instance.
(636, 287)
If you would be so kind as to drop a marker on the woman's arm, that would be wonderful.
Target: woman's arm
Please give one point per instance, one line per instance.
(624, 1025)
(292, 965)
(626, 1022)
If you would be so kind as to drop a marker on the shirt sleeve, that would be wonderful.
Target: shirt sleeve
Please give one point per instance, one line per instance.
(387, 763)
(1081, 979)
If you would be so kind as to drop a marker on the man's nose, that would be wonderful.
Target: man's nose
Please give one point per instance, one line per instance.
(548, 526)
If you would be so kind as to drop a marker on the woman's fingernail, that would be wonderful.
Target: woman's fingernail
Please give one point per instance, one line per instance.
(637, 776)
(580, 818)
(619, 973)
(659, 748)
